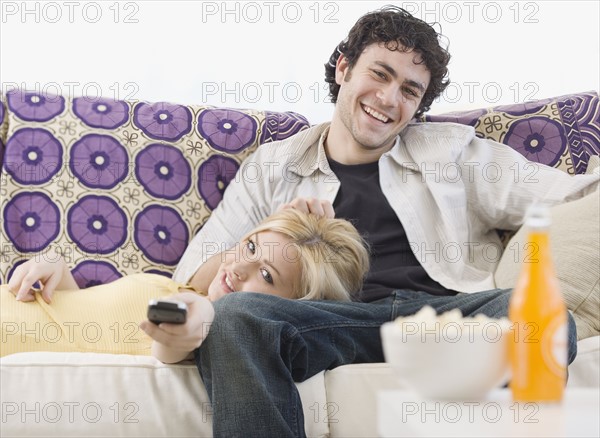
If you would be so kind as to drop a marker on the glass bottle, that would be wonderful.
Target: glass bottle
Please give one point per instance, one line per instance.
(538, 348)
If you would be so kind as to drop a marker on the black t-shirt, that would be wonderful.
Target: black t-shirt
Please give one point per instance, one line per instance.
(393, 264)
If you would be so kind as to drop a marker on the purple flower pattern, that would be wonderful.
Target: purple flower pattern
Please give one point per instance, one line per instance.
(92, 273)
(214, 175)
(163, 171)
(31, 221)
(33, 156)
(2, 112)
(539, 139)
(163, 121)
(97, 224)
(227, 130)
(34, 107)
(101, 113)
(99, 161)
(161, 234)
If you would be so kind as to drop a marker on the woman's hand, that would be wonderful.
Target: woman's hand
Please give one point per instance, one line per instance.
(173, 342)
(50, 275)
(319, 207)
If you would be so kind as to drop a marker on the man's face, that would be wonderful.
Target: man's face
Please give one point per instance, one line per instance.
(377, 99)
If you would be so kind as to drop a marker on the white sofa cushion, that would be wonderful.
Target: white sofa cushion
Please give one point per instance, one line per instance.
(352, 397)
(89, 394)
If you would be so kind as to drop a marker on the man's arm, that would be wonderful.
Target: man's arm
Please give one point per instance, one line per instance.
(501, 183)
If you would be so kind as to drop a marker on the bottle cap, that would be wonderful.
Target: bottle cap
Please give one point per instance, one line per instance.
(538, 216)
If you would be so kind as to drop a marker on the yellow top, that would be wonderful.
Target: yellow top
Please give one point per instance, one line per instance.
(100, 319)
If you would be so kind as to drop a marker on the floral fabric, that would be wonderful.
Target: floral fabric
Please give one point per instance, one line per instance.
(117, 187)
(561, 132)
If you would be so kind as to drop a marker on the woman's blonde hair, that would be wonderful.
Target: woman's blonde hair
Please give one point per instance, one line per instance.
(333, 257)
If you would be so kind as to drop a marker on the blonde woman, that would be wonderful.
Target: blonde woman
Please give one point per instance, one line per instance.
(291, 254)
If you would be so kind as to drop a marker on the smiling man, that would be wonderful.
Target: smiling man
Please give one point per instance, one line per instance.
(377, 98)
(370, 165)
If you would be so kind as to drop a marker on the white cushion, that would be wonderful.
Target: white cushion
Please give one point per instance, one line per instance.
(148, 398)
(89, 394)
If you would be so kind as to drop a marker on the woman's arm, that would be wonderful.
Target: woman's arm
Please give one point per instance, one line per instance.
(174, 342)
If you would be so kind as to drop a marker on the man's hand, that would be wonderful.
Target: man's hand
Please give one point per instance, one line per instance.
(51, 275)
(319, 207)
(173, 342)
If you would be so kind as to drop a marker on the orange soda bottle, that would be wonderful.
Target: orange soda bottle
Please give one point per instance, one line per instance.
(538, 348)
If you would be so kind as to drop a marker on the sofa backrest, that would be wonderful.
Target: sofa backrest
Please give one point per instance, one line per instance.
(117, 187)
(561, 132)
(120, 187)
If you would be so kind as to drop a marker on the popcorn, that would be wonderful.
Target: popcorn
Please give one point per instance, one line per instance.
(451, 326)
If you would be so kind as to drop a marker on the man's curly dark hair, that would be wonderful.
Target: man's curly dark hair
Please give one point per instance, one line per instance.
(397, 29)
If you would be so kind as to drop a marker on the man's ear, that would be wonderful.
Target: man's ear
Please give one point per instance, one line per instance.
(341, 67)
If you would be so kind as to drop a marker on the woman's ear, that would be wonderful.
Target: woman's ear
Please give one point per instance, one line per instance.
(341, 66)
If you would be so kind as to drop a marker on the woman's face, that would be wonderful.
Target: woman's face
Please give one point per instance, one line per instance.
(267, 262)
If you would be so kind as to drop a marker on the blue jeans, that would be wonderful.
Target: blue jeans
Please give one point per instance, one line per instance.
(259, 345)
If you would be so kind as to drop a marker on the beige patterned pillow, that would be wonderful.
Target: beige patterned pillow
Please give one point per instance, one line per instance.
(575, 242)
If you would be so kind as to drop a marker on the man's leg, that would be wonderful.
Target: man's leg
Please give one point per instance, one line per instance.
(259, 345)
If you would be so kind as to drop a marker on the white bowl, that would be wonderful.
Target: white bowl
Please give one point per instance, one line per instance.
(450, 362)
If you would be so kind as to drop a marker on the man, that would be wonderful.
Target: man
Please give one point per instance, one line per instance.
(369, 165)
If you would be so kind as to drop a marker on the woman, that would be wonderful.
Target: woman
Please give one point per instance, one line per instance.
(291, 254)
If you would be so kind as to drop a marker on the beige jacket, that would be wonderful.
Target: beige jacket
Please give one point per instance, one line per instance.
(450, 189)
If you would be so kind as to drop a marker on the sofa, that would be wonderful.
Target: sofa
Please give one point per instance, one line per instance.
(120, 187)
